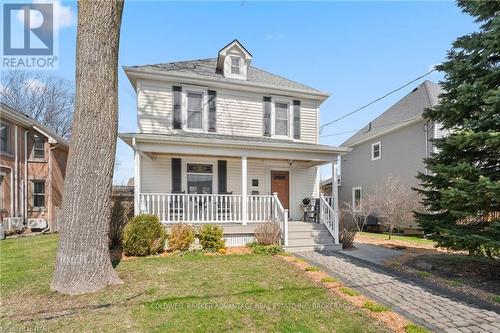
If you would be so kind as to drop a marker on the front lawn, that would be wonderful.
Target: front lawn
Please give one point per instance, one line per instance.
(174, 293)
(381, 239)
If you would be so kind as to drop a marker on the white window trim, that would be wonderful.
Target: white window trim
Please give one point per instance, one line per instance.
(354, 189)
(231, 57)
(184, 174)
(184, 110)
(379, 151)
(289, 102)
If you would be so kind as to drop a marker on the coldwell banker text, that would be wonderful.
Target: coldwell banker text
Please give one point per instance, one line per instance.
(28, 36)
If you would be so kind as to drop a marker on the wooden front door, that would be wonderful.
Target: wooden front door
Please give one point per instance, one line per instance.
(281, 185)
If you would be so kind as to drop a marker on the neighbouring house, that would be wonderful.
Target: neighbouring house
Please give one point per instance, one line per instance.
(220, 141)
(32, 168)
(394, 144)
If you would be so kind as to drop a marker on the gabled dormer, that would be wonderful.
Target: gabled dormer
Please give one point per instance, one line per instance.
(233, 61)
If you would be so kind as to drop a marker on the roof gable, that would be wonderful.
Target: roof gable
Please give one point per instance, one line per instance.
(405, 111)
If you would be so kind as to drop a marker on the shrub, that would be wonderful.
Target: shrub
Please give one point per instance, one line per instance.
(268, 233)
(211, 237)
(374, 307)
(116, 223)
(349, 292)
(180, 237)
(347, 229)
(272, 249)
(143, 235)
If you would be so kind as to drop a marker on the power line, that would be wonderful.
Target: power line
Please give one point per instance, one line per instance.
(371, 128)
(375, 100)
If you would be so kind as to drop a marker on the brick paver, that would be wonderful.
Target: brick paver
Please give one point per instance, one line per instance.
(427, 307)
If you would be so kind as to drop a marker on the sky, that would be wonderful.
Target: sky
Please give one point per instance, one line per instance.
(356, 51)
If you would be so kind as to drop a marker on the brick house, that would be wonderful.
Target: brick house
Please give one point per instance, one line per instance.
(32, 169)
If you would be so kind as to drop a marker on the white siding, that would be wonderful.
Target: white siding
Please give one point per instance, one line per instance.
(238, 112)
(154, 106)
(156, 177)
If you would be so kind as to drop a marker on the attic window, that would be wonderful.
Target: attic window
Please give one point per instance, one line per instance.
(235, 65)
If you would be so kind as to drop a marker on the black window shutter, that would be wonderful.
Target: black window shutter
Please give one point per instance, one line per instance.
(267, 116)
(296, 119)
(222, 176)
(177, 117)
(212, 114)
(176, 175)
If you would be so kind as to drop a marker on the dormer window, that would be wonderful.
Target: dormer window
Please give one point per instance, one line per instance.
(233, 61)
(235, 65)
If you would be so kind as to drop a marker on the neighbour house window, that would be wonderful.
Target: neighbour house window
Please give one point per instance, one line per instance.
(376, 151)
(235, 65)
(356, 199)
(38, 147)
(199, 178)
(4, 138)
(38, 194)
(194, 110)
(281, 119)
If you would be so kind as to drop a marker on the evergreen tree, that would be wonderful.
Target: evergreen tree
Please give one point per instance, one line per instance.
(462, 190)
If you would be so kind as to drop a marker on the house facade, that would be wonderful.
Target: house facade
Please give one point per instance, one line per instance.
(32, 169)
(394, 144)
(221, 141)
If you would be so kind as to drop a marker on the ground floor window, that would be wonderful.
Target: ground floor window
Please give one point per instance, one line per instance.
(199, 178)
(38, 194)
(356, 199)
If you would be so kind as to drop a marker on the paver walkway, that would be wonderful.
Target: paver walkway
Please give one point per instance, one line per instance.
(435, 310)
(373, 253)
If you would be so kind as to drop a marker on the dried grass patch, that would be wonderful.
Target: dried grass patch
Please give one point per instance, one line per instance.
(393, 320)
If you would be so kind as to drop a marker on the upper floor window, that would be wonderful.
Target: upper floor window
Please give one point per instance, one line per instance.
(376, 151)
(281, 119)
(38, 147)
(235, 65)
(38, 194)
(194, 110)
(4, 138)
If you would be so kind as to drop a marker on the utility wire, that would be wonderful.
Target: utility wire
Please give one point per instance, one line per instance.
(367, 130)
(375, 100)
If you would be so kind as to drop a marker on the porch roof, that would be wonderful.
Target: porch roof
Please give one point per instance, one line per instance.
(212, 144)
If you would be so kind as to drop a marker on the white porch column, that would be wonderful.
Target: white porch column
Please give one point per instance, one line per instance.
(244, 178)
(335, 194)
(137, 182)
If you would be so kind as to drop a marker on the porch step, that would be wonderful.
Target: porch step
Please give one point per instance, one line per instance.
(305, 236)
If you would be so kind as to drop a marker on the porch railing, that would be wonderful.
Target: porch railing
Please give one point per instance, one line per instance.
(210, 208)
(329, 217)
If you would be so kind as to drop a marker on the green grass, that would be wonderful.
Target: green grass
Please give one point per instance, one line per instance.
(423, 274)
(412, 328)
(496, 298)
(374, 307)
(247, 293)
(312, 269)
(409, 239)
(329, 279)
(350, 292)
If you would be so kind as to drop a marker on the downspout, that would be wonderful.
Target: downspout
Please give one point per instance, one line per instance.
(426, 134)
(25, 176)
(16, 171)
(49, 225)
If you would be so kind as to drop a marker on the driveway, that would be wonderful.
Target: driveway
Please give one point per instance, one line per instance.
(422, 303)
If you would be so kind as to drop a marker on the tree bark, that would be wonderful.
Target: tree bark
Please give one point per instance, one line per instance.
(83, 264)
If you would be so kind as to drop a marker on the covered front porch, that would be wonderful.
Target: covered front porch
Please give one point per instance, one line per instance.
(182, 179)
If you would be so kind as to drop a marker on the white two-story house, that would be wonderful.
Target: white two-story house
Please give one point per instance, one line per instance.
(220, 141)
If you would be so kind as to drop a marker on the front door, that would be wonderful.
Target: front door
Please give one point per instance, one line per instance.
(280, 184)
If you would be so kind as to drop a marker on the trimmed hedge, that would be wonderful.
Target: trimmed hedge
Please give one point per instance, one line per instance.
(143, 235)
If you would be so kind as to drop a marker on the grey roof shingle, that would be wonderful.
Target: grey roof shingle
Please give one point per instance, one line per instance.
(408, 108)
(207, 68)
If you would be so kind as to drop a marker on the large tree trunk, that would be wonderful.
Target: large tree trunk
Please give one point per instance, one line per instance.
(83, 264)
